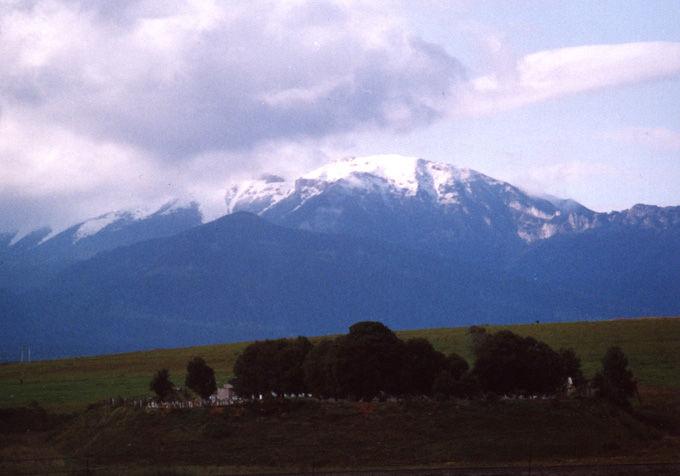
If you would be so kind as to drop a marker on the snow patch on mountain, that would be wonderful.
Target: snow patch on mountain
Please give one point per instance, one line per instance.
(170, 207)
(35, 237)
(395, 176)
(532, 211)
(345, 195)
(408, 176)
(17, 237)
(389, 176)
(93, 226)
(397, 171)
(257, 195)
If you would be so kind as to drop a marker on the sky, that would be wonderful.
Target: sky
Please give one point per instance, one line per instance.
(114, 105)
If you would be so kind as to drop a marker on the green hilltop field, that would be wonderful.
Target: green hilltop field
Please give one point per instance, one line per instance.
(75, 435)
(652, 346)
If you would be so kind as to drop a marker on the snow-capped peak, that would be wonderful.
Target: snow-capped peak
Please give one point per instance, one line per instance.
(387, 175)
(409, 175)
(95, 225)
(256, 195)
(398, 170)
(328, 198)
(170, 207)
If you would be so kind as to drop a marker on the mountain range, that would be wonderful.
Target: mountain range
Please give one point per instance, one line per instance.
(409, 242)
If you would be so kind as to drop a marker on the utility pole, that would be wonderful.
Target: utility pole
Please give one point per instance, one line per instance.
(25, 354)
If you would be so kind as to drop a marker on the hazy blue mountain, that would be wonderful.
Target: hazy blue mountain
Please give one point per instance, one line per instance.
(628, 260)
(402, 240)
(16, 326)
(116, 229)
(35, 258)
(11, 243)
(413, 202)
(241, 277)
(429, 205)
(631, 270)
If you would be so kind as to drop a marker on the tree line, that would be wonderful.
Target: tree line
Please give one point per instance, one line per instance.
(200, 379)
(368, 362)
(371, 361)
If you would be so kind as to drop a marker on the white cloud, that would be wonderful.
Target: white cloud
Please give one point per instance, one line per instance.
(219, 75)
(575, 179)
(571, 172)
(52, 175)
(655, 138)
(554, 73)
(109, 104)
(95, 94)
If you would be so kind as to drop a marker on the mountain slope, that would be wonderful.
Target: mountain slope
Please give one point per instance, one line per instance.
(413, 202)
(626, 259)
(631, 269)
(39, 256)
(397, 239)
(429, 205)
(242, 278)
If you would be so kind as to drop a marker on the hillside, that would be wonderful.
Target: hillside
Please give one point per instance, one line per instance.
(409, 242)
(71, 384)
(30, 261)
(241, 278)
(305, 436)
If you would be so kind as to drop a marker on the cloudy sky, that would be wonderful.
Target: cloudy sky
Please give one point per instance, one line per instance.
(112, 104)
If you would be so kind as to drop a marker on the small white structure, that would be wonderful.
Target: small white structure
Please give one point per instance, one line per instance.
(225, 392)
(571, 389)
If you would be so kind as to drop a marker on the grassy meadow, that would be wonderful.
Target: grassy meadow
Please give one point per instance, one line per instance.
(70, 385)
(302, 436)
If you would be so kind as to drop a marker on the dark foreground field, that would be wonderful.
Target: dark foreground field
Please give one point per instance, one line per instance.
(307, 436)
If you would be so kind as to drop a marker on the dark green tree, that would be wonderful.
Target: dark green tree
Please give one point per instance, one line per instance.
(161, 384)
(615, 382)
(571, 366)
(249, 370)
(200, 378)
(422, 364)
(291, 356)
(369, 361)
(272, 366)
(444, 384)
(456, 365)
(319, 369)
(507, 362)
(466, 386)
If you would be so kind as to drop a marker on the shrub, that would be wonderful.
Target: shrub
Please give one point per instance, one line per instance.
(200, 378)
(161, 384)
(507, 362)
(614, 382)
